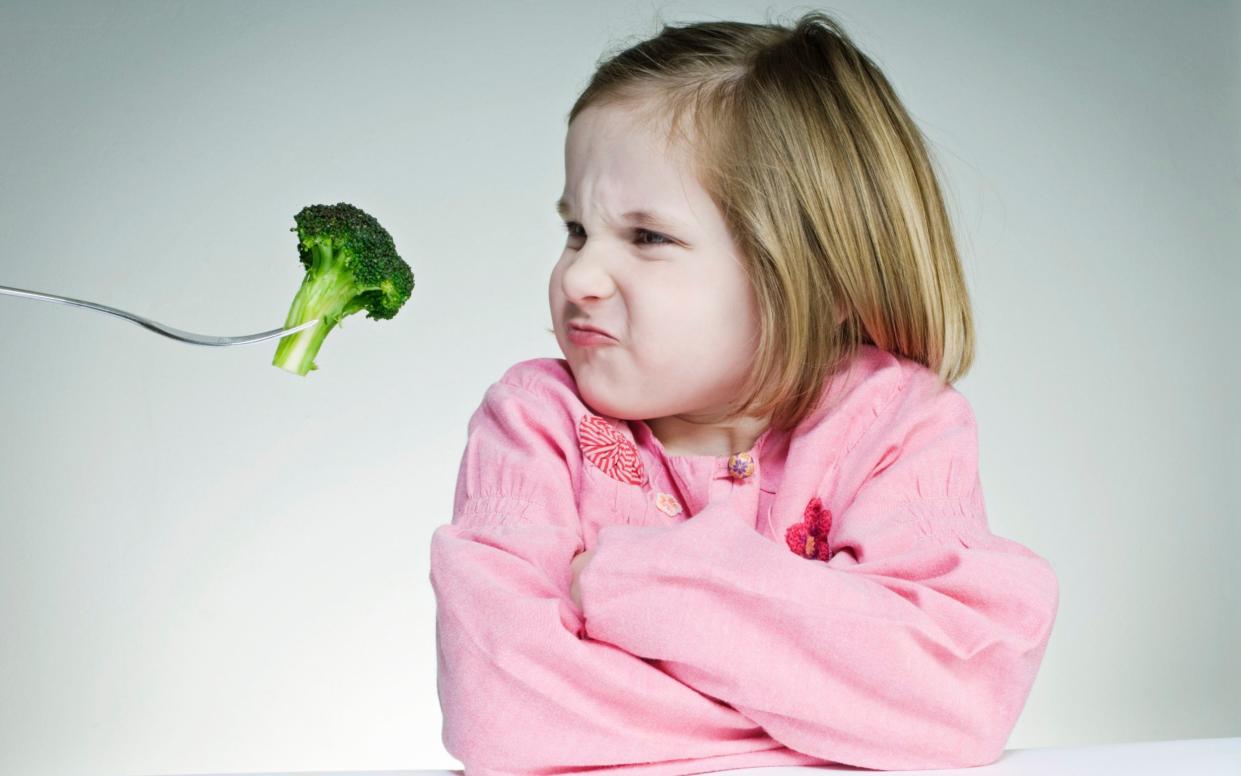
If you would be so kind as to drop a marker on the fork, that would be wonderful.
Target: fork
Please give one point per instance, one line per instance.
(156, 326)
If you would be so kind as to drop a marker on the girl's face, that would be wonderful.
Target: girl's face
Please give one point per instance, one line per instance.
(671, 290)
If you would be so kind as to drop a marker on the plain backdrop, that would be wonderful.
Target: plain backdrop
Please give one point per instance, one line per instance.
(209, 564)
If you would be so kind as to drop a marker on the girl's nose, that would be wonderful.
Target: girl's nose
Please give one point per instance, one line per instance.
(587, 277)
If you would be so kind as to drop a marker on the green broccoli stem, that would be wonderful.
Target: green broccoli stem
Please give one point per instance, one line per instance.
(323, 295)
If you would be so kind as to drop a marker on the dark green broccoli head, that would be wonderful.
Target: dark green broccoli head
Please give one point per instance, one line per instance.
(351, 265)
(342, 236)
(345, 237)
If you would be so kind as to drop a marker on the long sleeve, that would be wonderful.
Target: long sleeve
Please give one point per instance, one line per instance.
(520, 689)
(914, 646)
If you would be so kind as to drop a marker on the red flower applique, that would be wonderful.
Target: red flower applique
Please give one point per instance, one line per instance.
(609, 451)
(809, 537)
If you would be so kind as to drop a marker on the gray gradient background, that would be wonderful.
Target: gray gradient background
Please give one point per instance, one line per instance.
(208, 564)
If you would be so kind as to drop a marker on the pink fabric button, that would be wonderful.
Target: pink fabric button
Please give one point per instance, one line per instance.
(667, 503)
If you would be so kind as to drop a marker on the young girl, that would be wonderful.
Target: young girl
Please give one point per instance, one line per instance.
(743, 525)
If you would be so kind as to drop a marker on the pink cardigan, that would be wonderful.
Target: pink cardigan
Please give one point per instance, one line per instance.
(728, 619)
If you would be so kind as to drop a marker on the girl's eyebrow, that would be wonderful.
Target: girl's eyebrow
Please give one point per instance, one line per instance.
(642, 217)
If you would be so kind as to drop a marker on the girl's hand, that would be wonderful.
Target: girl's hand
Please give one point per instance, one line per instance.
(579, 562)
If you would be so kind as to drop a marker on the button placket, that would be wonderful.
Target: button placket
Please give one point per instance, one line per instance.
(736, 483)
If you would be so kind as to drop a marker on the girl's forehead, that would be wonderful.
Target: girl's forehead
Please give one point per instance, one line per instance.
(621, 167)
(601, 162)
(633, 193)
(612, 124)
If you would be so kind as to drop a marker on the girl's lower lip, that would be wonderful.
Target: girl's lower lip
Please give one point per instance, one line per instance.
(583, 338)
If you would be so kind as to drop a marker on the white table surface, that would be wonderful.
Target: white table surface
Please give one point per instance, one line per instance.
(1190, 757)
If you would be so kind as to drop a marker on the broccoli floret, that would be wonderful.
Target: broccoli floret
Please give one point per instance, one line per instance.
(351, 265)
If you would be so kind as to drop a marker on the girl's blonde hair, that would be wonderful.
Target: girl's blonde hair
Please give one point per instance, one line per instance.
(827, 187)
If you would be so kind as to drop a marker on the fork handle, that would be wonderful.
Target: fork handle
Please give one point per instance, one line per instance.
(155, 326)
(103, 308)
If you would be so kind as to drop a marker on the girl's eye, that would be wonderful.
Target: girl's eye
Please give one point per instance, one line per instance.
(570, 226)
